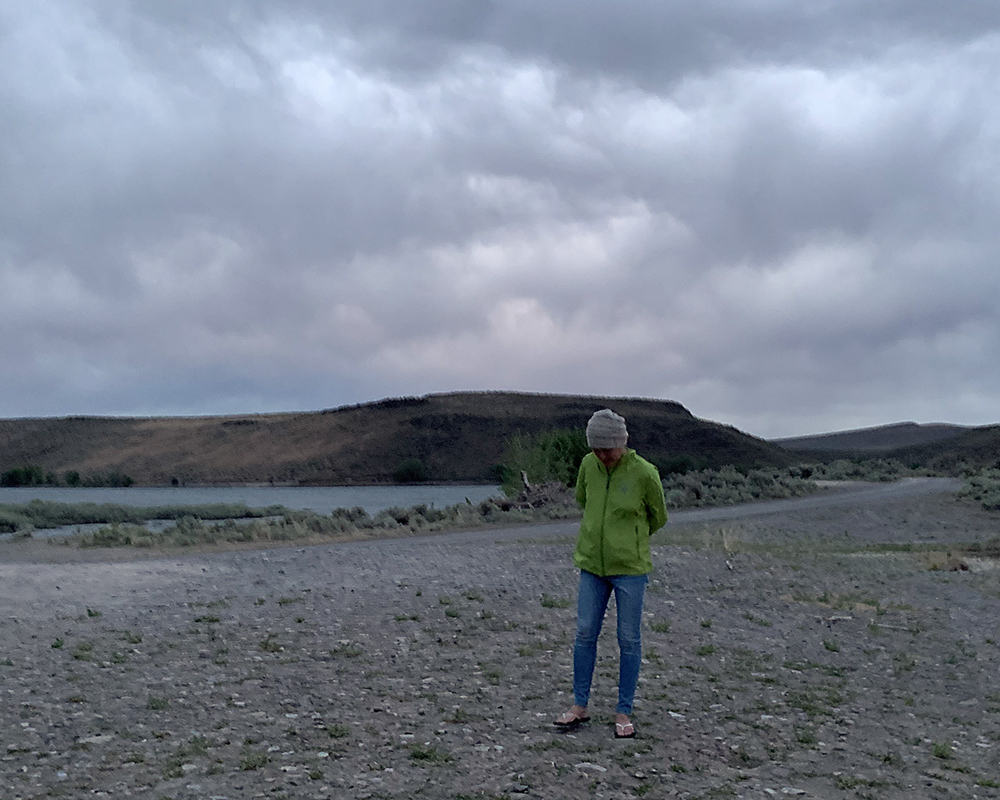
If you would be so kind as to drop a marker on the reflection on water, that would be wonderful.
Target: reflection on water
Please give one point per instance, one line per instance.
(322, 499)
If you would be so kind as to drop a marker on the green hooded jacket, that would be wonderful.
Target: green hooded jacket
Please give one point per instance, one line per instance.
(621, 510)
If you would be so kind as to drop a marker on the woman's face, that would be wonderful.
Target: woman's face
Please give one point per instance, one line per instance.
(609, 456)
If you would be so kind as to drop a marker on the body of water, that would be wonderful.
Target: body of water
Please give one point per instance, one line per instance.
(321, 499)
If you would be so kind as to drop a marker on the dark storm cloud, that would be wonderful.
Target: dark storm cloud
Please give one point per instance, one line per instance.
(780, 214)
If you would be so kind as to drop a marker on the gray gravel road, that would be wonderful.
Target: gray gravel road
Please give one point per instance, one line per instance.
(784, 656)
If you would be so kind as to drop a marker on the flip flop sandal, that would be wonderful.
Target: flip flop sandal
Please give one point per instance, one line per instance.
(570, 724)
(624, 730)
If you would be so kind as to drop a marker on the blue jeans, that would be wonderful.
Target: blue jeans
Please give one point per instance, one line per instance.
(592, 603)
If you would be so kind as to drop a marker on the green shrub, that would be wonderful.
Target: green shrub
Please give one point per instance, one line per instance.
(45, 514)
(729, 485)
(679, 465)
(113, 536)
(429, 754)
(983, 487)
(27, 475)
(114, 479)
(253, 759)
(546, 458)
(410, 470)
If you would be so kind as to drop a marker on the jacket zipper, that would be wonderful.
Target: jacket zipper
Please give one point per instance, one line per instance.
(604, 519)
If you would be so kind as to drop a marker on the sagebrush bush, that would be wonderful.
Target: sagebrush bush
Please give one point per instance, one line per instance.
(292, 525)
(546, 501)
(984, 487)
(728, 485)
(44, 514)
(871, 469)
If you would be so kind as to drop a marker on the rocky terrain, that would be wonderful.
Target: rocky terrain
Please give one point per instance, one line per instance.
(831, 647)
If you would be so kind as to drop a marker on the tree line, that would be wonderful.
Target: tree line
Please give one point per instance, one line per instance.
(33, 475)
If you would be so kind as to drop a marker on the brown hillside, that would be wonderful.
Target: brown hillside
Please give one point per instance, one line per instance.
(458, 437)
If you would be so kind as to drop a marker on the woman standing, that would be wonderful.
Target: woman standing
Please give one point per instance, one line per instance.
(622, 499)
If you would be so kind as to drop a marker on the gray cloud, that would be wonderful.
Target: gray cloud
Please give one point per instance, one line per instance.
(781, 215)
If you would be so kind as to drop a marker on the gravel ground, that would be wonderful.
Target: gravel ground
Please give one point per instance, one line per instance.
(792, 649)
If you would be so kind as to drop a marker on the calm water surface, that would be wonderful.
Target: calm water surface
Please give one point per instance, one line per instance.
(322, 499)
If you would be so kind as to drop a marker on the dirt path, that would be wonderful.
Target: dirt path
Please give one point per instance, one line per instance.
(784, 657)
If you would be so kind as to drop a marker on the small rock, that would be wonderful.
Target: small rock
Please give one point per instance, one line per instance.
(591, 766)
(101, 738)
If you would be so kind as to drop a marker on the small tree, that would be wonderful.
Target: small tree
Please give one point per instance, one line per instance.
(410, 470)
(550, 456)
(28, 475)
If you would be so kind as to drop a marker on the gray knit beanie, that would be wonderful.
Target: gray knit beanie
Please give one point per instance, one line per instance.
(606, 430)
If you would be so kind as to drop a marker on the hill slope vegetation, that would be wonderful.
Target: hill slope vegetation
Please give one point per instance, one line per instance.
(455, 437)
(869, 441)
(941, 447)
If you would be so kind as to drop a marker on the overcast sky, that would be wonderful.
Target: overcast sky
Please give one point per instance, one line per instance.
(782, 214)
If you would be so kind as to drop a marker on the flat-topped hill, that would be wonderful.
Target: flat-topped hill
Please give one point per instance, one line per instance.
(457, 437)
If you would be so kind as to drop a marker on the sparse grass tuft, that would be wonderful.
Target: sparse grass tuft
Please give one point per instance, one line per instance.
(253, 759)
(286, 601)
(84, 651)
(425, 754)
(941, 750)
(346, 650)
(338, 731)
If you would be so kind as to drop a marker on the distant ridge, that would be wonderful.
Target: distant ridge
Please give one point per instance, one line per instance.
(940, 446)
(874, 440)
(458, 437)
(973, 447)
